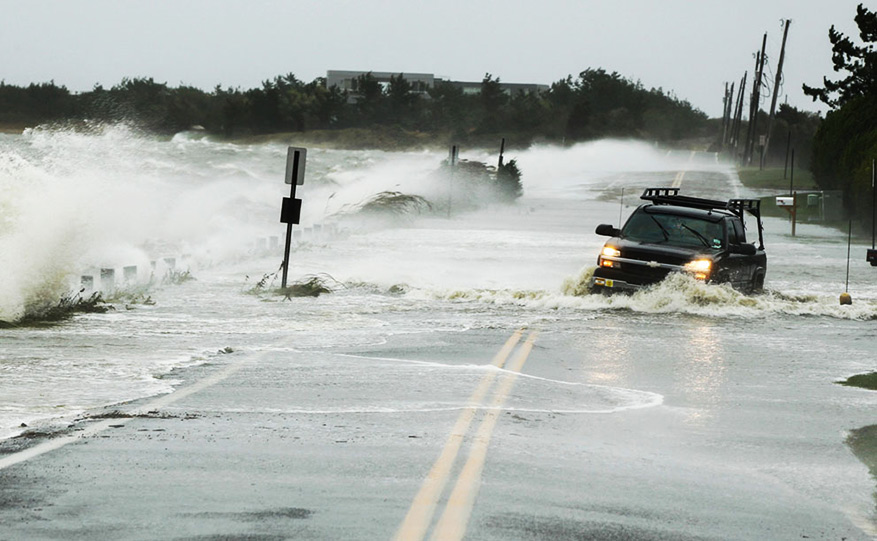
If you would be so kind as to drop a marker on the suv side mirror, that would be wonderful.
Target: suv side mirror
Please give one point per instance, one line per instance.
(743, 249)
(608, 231)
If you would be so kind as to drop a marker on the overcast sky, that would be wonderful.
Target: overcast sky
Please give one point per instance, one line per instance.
(688, 47)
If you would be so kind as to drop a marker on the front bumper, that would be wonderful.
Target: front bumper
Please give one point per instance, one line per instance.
(632, 275)
(598, 283)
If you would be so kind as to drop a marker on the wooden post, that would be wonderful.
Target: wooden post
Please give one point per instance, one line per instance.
(501, 150)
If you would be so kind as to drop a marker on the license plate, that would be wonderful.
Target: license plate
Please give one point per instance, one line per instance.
(610, 283)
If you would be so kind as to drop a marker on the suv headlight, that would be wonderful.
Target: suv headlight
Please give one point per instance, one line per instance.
(700, 268)
(609, 251)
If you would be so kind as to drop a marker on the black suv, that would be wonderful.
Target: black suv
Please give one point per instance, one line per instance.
(675, 233)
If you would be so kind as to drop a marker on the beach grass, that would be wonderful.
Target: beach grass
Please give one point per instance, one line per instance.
(865, 381)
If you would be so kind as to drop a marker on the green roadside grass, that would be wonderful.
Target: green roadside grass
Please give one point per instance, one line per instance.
(772, 179)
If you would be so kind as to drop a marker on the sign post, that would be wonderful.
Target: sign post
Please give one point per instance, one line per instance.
(452, 161)
(290, 212)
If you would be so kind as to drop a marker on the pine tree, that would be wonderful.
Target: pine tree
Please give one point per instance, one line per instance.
(859, 61)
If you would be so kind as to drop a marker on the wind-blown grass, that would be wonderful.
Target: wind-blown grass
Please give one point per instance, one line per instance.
(309, 286)
(865, 381)
(66, 307)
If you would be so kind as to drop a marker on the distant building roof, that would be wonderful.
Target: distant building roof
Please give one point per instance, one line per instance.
(508, 88)
(346, 80)
(421, 82)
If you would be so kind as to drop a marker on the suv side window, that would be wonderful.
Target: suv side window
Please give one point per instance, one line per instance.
(736, 233)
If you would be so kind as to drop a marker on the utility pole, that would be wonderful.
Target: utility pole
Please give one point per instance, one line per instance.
(752, 101)
(725, 101)
(729, 108)
(756, 97)
(776, 87)
(726, 115)
(738, 114)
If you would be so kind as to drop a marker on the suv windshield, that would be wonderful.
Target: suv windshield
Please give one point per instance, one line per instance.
(672, 229)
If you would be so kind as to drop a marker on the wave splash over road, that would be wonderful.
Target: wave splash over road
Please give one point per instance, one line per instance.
(677, 294)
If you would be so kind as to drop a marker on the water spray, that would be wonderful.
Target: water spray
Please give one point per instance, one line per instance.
(845, 296)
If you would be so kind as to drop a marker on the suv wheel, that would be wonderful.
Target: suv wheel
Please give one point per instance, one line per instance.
(758, 282)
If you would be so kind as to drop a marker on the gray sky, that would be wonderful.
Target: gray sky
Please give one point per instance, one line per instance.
(688, 47)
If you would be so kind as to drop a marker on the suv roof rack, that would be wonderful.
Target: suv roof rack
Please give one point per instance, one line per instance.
(670, 196)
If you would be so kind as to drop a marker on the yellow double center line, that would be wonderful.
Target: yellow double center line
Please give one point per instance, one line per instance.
(454, 519)
(677, 182)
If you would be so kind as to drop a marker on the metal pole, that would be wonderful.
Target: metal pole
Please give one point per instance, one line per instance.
(288, 242)
(453, 162)
(788, 146)
(849, 242)
(291, 211)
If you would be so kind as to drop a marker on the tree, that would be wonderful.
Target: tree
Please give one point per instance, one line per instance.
(846, 141)
(369, 97)
(842, 152)
(859, 61)
(402, 101)
(508, 181)
(493, 100)
(449, 109)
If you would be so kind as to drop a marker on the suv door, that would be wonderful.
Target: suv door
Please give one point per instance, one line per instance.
(742, 266)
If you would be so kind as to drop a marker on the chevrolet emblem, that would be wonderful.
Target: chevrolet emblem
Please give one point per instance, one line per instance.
(654, 264)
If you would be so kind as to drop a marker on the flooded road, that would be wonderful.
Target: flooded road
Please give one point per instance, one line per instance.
(687, 411)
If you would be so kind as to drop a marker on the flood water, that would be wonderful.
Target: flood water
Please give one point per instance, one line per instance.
(746, 380)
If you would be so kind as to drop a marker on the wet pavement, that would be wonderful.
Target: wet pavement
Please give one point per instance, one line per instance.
(590, 443)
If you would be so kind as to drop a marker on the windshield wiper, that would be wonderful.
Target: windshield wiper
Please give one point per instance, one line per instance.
(699, 236)
(664, 231)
